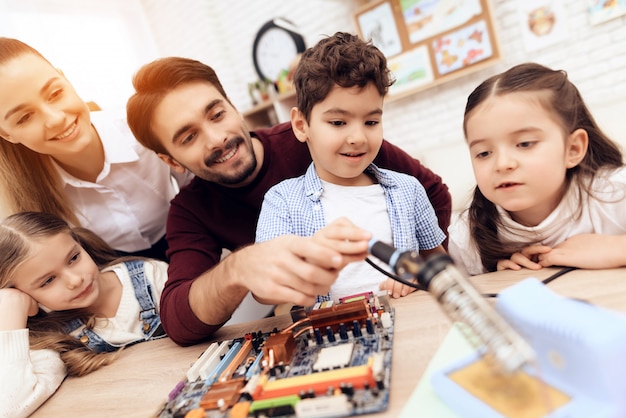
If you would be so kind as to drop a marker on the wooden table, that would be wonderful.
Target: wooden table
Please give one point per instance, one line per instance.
(138, 382)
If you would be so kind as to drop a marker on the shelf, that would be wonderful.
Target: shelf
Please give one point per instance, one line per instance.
(271, 112)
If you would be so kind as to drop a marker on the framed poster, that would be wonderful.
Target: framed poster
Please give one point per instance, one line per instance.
(462, 48)
(411, 69)
(426, 18)
(601, 11)
(430, 41)
(543, 23)
(378, 23)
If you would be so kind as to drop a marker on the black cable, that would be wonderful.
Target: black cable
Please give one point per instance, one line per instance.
(558, 274)
(393, 276)
(417, 286)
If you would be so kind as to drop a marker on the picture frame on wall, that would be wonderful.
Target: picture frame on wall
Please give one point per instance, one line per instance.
(543, 23)
(377, 22)
(462, 48)
(440, 39)
(426, 18)
(411, 69)
(602, 11)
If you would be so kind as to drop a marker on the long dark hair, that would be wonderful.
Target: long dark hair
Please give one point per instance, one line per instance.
(567, 106)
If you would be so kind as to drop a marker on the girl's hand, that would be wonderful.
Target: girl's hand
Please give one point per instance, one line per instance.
(15, 308)
(528, 258)
(396, 289)
(590, 251)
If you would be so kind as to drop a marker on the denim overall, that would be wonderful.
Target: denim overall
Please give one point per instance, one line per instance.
(152, 328)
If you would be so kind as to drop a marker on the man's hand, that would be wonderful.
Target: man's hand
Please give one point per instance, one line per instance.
(15, 308)
(297, 269)
(286, 269)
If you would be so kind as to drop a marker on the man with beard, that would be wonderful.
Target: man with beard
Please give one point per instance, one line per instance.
(181, 111)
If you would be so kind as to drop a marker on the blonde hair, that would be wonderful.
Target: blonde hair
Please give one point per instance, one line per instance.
(29, 180)
(17, 233)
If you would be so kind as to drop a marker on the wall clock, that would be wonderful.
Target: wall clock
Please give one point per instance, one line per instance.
(276, 44)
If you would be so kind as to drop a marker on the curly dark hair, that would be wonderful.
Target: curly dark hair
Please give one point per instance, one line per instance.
(344, 60)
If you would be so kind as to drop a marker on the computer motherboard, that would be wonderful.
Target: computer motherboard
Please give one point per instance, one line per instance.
(333, 360)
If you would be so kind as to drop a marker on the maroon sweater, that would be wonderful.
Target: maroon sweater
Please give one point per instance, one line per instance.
(205, 217)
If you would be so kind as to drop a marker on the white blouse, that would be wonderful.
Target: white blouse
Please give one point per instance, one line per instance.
(127, 205)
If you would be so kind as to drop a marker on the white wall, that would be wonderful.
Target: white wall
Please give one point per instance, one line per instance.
(427, 124)
(98, 45)
(221, 33)
(91, 39)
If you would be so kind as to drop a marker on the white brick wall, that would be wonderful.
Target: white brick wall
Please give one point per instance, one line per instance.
(221, 33)
(425, 124)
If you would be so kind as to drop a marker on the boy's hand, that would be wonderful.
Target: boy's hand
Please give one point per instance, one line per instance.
(344, 237)
(396, 289)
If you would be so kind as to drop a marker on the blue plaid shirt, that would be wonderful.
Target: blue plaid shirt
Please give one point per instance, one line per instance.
(293, 207)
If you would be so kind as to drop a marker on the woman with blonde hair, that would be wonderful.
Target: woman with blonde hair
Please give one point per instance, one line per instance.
(86, 167)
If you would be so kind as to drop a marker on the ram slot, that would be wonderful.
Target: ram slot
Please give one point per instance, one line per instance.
(223, 364)
(208, 360)
(359, 377)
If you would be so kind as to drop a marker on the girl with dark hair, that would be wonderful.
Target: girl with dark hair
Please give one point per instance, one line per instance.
(551, 186)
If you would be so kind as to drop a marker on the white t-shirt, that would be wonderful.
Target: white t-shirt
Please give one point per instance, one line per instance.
(603, 213)
(365, 207)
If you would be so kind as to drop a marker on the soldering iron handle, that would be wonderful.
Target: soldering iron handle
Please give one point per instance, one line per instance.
(461, 301)
(384, 252)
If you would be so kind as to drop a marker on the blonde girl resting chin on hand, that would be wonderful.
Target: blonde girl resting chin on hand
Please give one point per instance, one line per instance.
(551, 185)
(67, 305)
